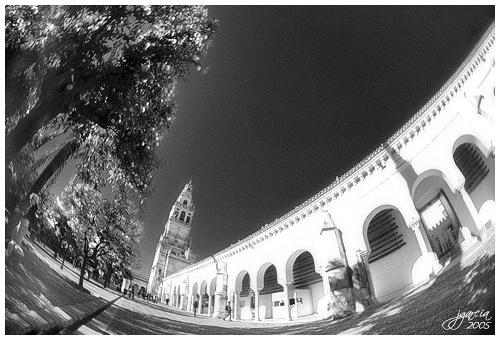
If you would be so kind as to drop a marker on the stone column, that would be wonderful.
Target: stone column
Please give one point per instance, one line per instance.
(286, 288)
(425, 247)
(220, 292)
(256, 291)
(236, 306)
(184, 302)
(480, 231)
(207, 313)
(210, 302)
(190, 302)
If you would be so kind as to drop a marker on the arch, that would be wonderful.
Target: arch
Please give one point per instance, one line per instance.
(194, 290)
(464, 139)
(239, 280)
(307, 284)
(368, 219)
(471, 158)
(246, 296)
(183, 215)
(260, 274)
(212, 288)
(392, 250)
(204, 298)
(431, 187)
(291, 259)
(267, 283)
(429, 173)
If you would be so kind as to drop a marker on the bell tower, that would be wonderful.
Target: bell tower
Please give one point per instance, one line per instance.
(173, 251)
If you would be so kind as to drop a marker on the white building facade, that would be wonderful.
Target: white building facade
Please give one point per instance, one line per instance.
(382, 228)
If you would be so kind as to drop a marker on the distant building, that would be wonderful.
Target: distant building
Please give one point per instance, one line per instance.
(173, 252)
(386, 226)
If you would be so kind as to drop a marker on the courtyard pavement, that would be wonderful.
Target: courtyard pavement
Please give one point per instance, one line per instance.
(42, 298)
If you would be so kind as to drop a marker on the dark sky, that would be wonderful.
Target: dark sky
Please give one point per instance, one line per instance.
(295, 96)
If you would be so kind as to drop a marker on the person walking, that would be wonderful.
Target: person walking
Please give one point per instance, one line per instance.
(195, 306)
(228, 311)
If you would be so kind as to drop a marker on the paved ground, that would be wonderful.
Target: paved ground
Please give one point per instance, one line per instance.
(37, 290)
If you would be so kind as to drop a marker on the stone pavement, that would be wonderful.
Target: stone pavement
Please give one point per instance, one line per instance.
(43, 277)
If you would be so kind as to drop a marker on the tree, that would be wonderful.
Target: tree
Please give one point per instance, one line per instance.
(99, 64)
(105, 77)
(102, 232)
(85, 206)
(122, 251)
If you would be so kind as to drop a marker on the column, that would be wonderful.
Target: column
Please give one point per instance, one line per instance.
(207, 313)
(425, 247)
(190, 303)
(210, 304)
(257, 318)
(220, 291)
(480, 231)
(236, 306)
(286, 288)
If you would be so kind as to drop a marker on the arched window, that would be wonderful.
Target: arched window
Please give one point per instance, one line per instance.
(472, 165)
(176, 214)
(185, 202)
(188, 219)
(383, 235)
(183, 215)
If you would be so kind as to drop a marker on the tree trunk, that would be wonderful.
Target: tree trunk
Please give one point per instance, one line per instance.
(56, 164)
(54, 99)
(84, 263)
(43, 112)
(64, 257)
(82, 271)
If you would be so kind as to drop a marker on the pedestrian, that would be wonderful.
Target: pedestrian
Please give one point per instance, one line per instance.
(195, 306)
(228, 311)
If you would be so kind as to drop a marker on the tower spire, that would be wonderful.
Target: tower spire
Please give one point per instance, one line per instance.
(174, 248)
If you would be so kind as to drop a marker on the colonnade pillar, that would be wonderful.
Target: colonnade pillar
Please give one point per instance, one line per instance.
(257, 316)
(236, 306)
(190, 302)
(425, 246)
(210, 302)
(286, 289)
(480, 231)
(220, 291)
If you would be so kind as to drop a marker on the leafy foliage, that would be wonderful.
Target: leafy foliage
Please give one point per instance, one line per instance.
(102, 232)
(107, 75)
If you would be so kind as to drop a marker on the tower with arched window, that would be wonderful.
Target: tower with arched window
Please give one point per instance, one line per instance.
(173, 252)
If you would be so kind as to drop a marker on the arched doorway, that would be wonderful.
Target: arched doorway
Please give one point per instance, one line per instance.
(307, 287)
(245, 309)
(479, 173)
(213, 285)
(203, 298)
(446, 218)
(267, 295)
(195, 296)
(441, 224)
(392, 252)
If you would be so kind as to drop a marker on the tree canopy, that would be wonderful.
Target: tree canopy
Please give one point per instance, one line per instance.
(105, 75)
